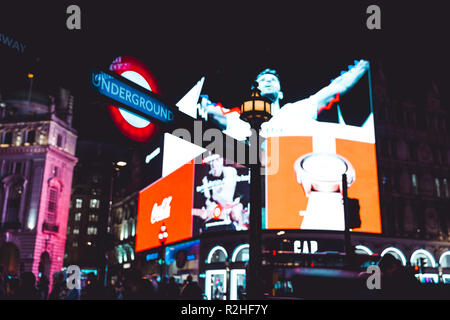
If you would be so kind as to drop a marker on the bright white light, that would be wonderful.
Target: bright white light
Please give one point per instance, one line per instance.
(188, 104)
(238, 250)
(396, 252)
(150, 157)
(365, 249)
(325, 166)
(160, 236)
(177, 152)
(165, 235)
(208, 283)
(432, 276)
(234, 284)
(280, 233)
(213, 250)
(121, 163)
(442, 261)
(430, 257)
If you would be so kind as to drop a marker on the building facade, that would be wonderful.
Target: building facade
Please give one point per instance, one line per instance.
(122, 228)
(37, 158)
(93, 184)
(413, 153)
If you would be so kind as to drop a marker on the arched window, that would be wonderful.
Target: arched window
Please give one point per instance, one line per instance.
(425, 255)
(13, 191)
(444, 260)
(360, 249)
(52, 205)
(9, 257)
(217, 254)
(53, 195)
(241, 253)
(396, 253)
(13, 203)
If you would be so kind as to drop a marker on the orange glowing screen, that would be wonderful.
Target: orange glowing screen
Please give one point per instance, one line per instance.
(287, 204)
(169, 201)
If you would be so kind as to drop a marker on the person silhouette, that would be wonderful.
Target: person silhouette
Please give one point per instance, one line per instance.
(27, 288)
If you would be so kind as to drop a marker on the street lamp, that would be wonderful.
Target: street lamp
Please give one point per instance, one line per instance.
(31, 77)
(115, 169)
(121, 163)
(256, 111)
(162, 237)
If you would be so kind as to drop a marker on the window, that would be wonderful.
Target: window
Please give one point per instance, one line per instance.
(55, 171)
(94, 204)
(446, 193)
(438, 187)
(18, 169)
(133, 228)
(93, 217)
(52, 205)
(76, 231)
(18, 140)
(42, 136)
(78, 203)
(92, 230)
(31, 137)
(75, 244)
(414, 183)
(78, 216)
(13, 203)
(59, 141)
(7, 138)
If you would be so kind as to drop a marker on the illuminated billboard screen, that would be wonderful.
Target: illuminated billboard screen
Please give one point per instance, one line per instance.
(166, 202)
(311, 143)
(221, 196)
(195, 198)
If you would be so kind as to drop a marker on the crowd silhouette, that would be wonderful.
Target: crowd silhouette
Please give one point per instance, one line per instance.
(131, 286)
(397, 282)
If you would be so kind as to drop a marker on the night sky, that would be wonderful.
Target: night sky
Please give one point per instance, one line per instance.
(227, 42)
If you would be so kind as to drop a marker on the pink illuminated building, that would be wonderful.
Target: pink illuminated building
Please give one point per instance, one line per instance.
(37, 148)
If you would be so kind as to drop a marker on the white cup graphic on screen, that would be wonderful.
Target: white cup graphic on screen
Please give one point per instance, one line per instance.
(320, 175)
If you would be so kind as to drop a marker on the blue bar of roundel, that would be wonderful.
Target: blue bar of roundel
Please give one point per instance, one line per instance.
(126, 95)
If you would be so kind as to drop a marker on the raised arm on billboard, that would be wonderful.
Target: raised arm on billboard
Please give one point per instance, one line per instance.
(341, 84)
(270, 87)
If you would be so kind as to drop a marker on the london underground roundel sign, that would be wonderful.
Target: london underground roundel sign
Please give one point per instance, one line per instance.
(130, 124)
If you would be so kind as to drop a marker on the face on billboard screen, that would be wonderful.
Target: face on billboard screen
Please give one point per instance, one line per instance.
(167, 202)
(221, 192)
(315, 141)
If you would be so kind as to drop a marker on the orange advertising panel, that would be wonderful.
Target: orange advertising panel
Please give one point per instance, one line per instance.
(167, 202)
(305, 192)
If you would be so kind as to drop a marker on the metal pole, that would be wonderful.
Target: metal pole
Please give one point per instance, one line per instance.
(163, 264)
(254, 288)
(347, 239)
(103, 231)
(30, 90)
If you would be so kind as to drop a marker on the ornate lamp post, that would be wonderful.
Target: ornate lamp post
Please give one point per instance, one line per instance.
(162, 237)
(104, 222)
(255, 111)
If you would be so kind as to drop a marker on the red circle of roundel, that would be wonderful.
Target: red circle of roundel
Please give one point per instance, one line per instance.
(119, 66)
